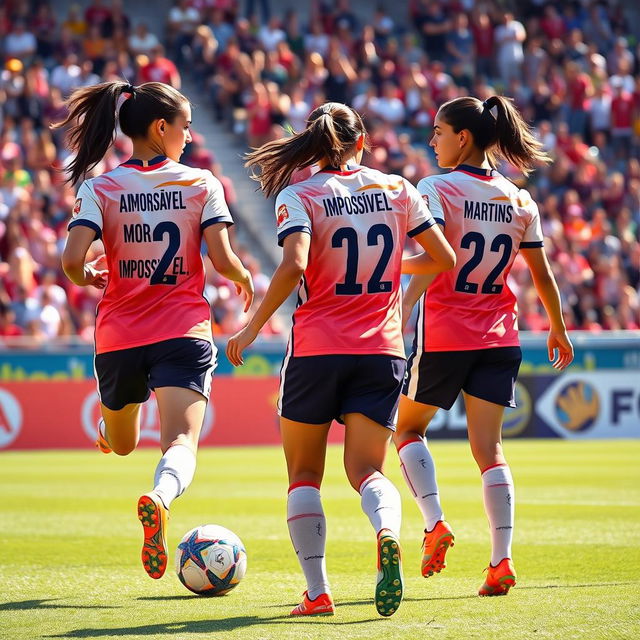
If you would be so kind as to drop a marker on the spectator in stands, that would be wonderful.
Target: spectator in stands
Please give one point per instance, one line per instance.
(20, 43)
(142, 41)
(509, 36)
(160, 69)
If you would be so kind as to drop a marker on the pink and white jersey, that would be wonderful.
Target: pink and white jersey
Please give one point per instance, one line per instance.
(349, 297)
(151, 220)
(486, 219)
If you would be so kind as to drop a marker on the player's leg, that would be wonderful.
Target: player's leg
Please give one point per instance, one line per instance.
(307, 405)
(304, 448)
(419, 471)
(181, 415)
(488, 391)
(369, 398)
(122, 387)
(365, 448)
(433, 381)
(180, 373)
(119, 431)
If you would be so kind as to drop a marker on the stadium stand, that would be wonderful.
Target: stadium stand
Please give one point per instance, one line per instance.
(573, 70)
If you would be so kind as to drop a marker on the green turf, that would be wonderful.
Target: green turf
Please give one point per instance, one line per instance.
(69, 549)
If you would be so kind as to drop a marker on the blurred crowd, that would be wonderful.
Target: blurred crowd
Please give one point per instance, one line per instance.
(572, 68)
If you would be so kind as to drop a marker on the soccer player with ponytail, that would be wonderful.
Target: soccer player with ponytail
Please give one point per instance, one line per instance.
(343, 231)
(153, 325)
(467, 332)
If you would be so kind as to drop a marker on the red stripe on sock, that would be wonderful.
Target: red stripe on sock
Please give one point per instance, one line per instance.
(406, 442)
(305, 515)
(406, 477)
(492, 466)
(503, 484)
(295, 485)
(366, 480)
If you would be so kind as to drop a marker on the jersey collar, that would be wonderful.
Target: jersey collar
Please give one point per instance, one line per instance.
(338, 171)
(146, 165)
(483, 174)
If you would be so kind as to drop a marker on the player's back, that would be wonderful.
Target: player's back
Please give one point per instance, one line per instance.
(487, 219)
(349, 297)
(151, 220)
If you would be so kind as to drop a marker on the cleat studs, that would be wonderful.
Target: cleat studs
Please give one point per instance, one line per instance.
(383, 593)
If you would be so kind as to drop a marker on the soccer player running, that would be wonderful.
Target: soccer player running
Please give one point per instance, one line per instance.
(342, 230)
(467, 333)
(153, 326)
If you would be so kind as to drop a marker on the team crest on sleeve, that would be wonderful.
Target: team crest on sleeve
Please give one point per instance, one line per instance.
(283, 215)
(77, 206)
(425, 198)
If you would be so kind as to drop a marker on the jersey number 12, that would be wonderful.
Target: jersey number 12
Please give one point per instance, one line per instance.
(350, 286)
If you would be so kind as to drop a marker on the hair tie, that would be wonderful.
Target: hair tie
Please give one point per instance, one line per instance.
(126, 92)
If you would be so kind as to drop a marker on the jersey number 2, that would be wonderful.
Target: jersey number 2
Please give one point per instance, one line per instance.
(500, 242)
(350, 286)
(159, 276)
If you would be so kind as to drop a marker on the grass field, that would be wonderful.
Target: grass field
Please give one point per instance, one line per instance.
(70, 542)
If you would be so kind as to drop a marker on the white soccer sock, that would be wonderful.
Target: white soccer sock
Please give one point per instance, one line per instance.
(381, 503)
(497, 488)
(174, 473)
(308, 531)
(419, 471)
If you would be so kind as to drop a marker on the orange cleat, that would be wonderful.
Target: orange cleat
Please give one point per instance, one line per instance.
(499, 579)
(434, 548)
(389, 585)
(153, 515)
(321, 606)
(101, 441)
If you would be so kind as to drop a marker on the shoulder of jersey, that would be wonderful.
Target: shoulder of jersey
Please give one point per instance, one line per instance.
(433, 179)
(380, 176)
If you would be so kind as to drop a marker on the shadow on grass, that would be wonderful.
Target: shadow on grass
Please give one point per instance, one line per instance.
(50, 603)
(576, 586)
(186, 596)
(202, 626)
(473, 596)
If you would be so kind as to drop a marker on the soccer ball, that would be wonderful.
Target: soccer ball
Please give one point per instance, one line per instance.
(210, 560)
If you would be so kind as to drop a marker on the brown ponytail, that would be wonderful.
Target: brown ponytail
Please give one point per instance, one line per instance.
(92, 118)
(506, 134)
(332, 131)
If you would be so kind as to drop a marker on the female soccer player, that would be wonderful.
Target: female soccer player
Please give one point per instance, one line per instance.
(467, 333)
(153, 328)
(342, 232)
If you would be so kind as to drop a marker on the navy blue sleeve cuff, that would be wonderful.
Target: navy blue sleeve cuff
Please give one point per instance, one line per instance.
(421, 227)
(283, 234)
(532, 245)
(440, 221)
(86, 223)
(210, 221)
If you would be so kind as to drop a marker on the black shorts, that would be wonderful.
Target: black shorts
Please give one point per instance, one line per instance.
(437, 377)
(127, 376)
(318, 389)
